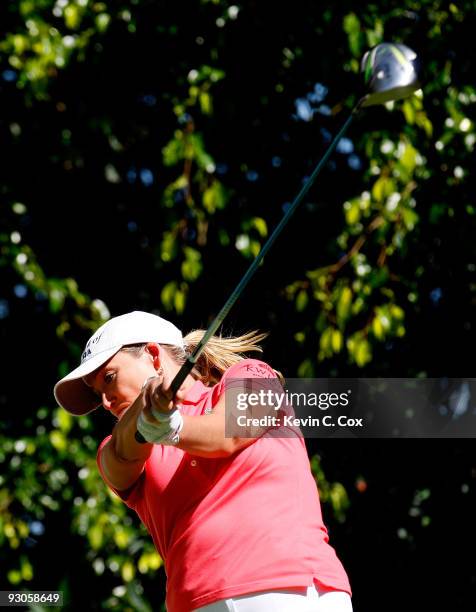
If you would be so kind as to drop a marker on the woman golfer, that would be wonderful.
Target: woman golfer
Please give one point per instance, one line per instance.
(237, 521)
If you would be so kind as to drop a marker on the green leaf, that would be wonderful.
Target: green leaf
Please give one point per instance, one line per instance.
(95, 536)
(179, 301)
(437, 211)
(344, 304)
(174, 150)
(409, 111)
(359, 349)
(397, 312)
(224, 238)
(205, 103)
(408, 158)
(192, 267)
(14, 576)
(337, 340)
(57, 297)
(121, 537)
(20, 43)
(58, 440)
(72, 16)
(353, 30)
(410, 218)
(65, 420)
(363, 353)
(377, 328)
(339, 500)
(302, 300)
(102, 21)
(306, 369)
(383, 188)
(169, 247)
(325, 343)
(128, 571)
(214, 197)
(352, 211)
(260, 225)
(197, 152)
(167, 295)
(26, 569)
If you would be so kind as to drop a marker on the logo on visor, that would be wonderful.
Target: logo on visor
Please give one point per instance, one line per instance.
(89, 346)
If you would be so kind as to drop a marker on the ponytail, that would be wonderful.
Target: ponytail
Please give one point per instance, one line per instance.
(219, 353)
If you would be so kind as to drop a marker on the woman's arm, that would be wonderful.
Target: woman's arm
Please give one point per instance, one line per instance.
(122, 457)
(204, 435)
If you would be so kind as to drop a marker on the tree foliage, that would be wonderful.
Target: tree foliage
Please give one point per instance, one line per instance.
(149, 150)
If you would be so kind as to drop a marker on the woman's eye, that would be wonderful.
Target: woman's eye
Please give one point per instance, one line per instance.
(108, 378)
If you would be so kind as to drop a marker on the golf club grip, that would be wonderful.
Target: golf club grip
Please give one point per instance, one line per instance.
(176, 383)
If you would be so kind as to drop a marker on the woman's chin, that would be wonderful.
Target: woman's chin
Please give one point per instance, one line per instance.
(121, 413)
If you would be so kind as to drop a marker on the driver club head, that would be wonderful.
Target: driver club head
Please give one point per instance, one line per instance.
(390, 72)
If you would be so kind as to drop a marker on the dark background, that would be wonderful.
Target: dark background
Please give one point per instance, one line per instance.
(93, 223)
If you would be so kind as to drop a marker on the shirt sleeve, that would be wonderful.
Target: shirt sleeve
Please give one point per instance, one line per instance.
(252, 375)
(254, 391)
(249, 368)
(129, 496)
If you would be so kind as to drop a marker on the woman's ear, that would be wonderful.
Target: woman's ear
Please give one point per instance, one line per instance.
(155, 352)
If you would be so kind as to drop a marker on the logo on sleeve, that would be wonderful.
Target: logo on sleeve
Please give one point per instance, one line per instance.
(262, 371)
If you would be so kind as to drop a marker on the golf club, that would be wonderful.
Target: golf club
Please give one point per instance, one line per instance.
(390, 73)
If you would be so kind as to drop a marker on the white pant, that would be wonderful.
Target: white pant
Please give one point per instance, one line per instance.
(285, 600)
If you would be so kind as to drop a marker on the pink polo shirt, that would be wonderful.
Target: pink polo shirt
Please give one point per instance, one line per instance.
(241, 524)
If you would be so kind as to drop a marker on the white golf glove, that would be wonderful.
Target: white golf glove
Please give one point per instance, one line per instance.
(166, 428)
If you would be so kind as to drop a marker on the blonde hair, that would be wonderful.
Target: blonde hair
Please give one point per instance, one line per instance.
(219, 353)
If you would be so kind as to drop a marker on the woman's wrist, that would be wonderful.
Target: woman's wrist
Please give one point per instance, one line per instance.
(125, 445)
(165, 428)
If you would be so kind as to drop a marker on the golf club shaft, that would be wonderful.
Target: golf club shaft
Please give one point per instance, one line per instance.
(191, 360)
(215, 324)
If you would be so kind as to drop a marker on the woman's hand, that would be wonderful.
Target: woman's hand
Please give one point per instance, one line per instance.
(157, 396)
(159, 422)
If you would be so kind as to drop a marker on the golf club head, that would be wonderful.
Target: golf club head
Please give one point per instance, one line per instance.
(390, 72)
